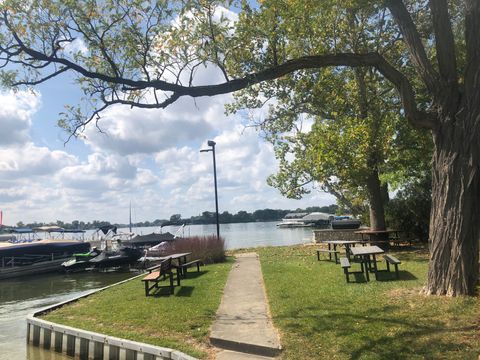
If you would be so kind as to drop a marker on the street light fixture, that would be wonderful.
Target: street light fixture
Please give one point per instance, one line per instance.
(212, 145)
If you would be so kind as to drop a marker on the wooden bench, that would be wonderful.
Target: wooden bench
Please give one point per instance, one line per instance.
(155, 276)
(329, 252)
(390, 259)
(345, 264)
(185, 266)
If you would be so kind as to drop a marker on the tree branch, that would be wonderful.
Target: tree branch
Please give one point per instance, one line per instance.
(415, 116)
(330, 188)
(414, 43)
(43, 79)
(444, 43)
(472, 38)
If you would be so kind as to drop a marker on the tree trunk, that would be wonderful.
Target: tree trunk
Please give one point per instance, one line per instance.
(454, 220)
(377, 212)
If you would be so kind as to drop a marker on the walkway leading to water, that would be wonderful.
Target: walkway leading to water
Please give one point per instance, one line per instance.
(243, 326)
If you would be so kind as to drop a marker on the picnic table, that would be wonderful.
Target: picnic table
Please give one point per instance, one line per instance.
(347, 243)
(181, 262)
(378, 235)
(367, 256)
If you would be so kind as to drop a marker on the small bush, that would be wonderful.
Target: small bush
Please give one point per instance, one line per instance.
(209, 249)
(409, 211)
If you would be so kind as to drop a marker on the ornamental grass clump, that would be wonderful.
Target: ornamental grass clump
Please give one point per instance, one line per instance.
(209, 249)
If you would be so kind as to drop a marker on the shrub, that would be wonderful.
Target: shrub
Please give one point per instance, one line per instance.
(409, 211)
(209, 249)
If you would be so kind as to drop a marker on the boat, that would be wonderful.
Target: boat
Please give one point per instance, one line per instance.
(35, 257)
(345, 222)
(148, 240)
(318, 220)
(80, 261)
(293, 220)
(293, 224)
(111, 259)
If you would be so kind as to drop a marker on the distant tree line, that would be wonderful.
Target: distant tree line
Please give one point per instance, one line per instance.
(207, 217)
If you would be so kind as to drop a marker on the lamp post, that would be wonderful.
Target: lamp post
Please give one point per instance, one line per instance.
(212, 145)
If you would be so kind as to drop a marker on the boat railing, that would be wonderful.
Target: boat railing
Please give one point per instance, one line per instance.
(29, 259)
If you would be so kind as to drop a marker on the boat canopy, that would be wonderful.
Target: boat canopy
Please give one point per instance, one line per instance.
(105, 229)
(21, 230)
(149, 239)
(49, 228)
(316, 216)
(295, 215)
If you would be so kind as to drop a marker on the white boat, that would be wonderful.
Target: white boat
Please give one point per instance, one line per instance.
(293, 224)
(292, 220)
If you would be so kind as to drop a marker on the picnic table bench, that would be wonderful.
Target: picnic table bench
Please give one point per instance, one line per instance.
(329, 252)
(185, 266)
(155, 276)
(345, 264)
(390, 259)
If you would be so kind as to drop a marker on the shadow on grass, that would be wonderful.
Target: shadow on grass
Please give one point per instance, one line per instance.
(370, 332)
(185, 291)
(195, 274)
(390, 276)
(419, 255)
(359, 278)
(161, 291)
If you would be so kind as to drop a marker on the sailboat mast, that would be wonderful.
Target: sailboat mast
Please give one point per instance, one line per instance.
(130, 219)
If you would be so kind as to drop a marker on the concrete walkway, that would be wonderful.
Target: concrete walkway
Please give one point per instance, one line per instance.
(243, 326)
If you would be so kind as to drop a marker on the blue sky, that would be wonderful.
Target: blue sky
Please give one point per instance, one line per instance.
(148, 157)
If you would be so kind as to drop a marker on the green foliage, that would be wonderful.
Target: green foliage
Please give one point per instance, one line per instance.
(175, 218)
(409, 211)
(356, 121)
(357, 126)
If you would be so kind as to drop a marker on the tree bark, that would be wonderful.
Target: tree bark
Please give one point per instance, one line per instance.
(377, 212)
(454, 220)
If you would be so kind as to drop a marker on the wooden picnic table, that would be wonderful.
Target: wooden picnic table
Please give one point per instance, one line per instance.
(364, 253)
(181, 259)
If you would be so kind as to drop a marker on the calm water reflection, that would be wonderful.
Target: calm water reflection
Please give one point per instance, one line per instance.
(35, 353)
(244, 235)
(23, 296)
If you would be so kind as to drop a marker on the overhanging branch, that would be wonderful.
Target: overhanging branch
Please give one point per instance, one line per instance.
(414, 43)
(415, 116)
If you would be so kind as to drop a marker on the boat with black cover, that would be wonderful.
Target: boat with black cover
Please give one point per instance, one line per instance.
(117, 258)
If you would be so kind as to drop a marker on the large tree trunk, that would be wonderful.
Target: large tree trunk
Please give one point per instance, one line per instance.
(455, 217)
(376, 200)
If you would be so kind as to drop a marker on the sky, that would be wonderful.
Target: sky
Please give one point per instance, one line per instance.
(150, 158)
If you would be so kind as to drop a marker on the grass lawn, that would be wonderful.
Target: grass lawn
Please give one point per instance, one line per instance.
(320, 316)
(180, 321)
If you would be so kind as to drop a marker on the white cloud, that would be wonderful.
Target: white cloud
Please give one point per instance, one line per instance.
(128, 131)
(29, 160)
(16, 116)
(76, 46)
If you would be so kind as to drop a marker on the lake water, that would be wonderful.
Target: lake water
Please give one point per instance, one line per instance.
(244, 235)
(23, 296)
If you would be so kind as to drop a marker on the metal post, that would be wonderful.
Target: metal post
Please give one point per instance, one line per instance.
(216, 193)
(212, 144)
